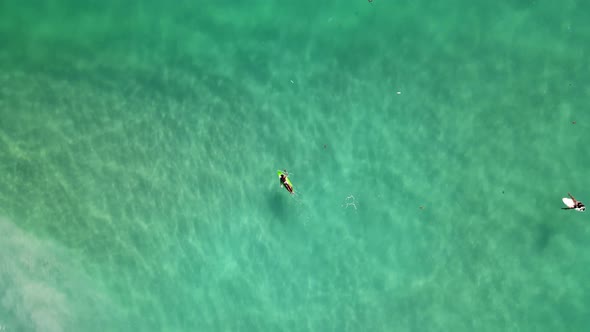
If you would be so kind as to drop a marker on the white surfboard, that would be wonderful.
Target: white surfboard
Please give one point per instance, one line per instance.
(568, 202)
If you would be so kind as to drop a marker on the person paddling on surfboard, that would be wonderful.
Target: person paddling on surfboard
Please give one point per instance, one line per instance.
(285, 181)
(577, 204)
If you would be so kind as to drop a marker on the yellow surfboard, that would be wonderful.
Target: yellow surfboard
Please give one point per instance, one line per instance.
(288, 182)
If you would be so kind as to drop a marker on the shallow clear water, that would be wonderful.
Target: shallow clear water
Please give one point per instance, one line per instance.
(429, 146)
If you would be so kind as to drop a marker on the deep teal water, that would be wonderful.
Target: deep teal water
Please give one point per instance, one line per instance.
(429, 145)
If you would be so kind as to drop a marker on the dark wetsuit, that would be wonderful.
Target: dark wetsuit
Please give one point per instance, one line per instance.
(285, 183)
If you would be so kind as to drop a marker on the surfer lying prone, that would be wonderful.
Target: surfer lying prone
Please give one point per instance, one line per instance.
(285, 181)
(577, 204)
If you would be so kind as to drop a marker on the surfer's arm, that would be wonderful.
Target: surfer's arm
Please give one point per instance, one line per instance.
(572, 197)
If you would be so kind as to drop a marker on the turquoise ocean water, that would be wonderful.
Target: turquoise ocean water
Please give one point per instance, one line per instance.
(430, 145)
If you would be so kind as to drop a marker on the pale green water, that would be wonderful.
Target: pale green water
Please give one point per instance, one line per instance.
(140, 142)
